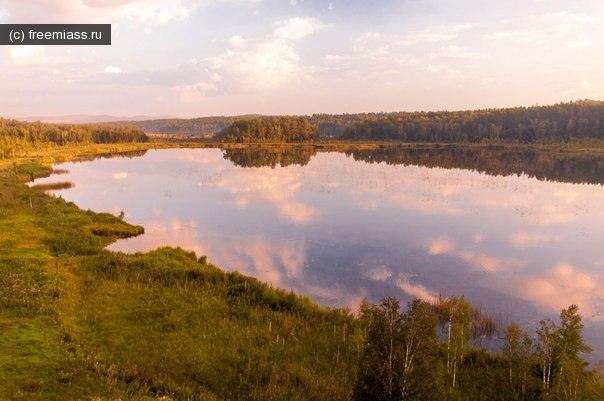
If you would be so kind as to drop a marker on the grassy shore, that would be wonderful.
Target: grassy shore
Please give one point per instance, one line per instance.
(79, 322)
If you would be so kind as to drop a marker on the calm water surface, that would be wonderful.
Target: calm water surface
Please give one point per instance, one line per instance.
(340, 230)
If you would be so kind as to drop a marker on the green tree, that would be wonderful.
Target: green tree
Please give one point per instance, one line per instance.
(560, 349)
(517, 350)
(419, 378)
(571, 372)
(383, 350)
(454, 315)
(547, 336)
(398, 361)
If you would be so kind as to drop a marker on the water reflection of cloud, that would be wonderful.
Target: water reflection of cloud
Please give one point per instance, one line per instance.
(272, 262)
(415, 290)
(296, 211)
(491, 264)
(120, 176)
(440, 246)
(524, 240)
(379, 273)
(428, 203)
(277, 186)
(537, 202)
(551, 213)
(479, 237)
(269, 261)
(164, 231)
(564, 285)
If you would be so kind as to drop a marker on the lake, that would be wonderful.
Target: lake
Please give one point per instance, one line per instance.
(518, 232)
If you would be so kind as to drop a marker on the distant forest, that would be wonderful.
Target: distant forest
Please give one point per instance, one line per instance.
(17, 138)
(279, 130)
(546, 124)
(201, 126)
(582, 119)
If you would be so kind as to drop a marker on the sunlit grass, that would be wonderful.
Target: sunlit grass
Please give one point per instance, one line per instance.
(167, 324)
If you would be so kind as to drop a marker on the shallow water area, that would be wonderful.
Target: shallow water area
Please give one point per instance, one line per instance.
(342, 227)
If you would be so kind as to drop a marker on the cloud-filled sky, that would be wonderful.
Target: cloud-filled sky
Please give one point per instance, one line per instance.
(189, 58)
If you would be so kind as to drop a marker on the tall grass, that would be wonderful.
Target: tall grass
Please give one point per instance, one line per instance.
(168, 325)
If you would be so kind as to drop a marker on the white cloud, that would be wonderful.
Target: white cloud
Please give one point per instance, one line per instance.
(33, 55)
(194, 92)
(154, 13)
(236, 42)
(337, 57)
(582, 40)
(434, 34)
(445, 71)
(4, 14)
(257, 66)
(453, 51)
(367, 36)
(297, 28)
(520, 36)
(113, 70)
(567, 17)
(150, 12)
(251, 66)
(565, 28)
(586, 85)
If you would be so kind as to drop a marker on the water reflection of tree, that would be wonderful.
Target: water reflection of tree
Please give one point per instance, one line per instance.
(543, 165)
(262, 157)
(131, 154)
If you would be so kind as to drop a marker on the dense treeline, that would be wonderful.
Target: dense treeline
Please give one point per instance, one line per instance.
(405, 357)
(17, 138)
(540, 124)
(563, 122)
(186, 126)
(269, 130)
(327, 125)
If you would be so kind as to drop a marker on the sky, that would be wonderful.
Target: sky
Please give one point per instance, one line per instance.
(195, 58)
